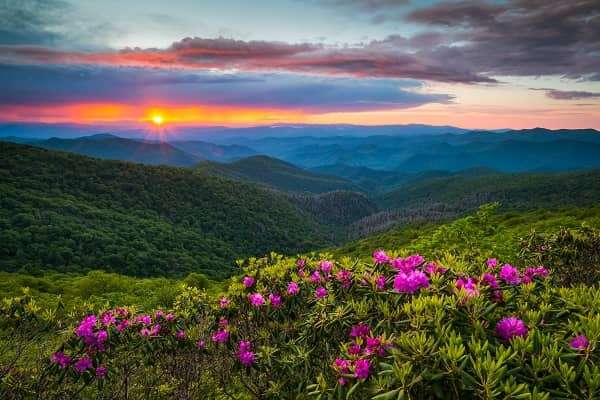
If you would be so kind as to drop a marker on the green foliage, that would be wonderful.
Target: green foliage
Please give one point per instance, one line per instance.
(70, 213)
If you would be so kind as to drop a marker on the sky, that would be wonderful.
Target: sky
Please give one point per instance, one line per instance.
(475, 63)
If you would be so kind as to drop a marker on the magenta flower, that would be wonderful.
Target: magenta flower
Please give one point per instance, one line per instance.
(434, 269)
(101, 336)
(256, 299)
(380, 282)
(533, 272)
(159, 314)
(144, 319)
(360, 330)
(245, 354)
(411, 282)
(248, 281)
(275, 300)
(380, 257)
(108, 318)
(170, 317)
(342, 365)
(201, 344)
(61, 359)
(224, 302)
(122, 325)
(86, 326)
(510, 274)
(492, 263)
(293, 288)
(354, 349)
(326, 266)
(223, 323)
(320, 292)
(315, 276)
(300, 263)
(375, 346)
(344, 276)
(510, 327)
(362, 368)
(180, 335)
(469, 286)
(489, 280)
(83, 364)
(342, 381)
(579, 342)
(101, 371)
(220, 336)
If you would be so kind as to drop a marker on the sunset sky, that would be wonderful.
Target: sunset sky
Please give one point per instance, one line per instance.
(473, 64)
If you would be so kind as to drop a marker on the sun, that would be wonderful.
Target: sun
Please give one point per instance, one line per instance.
(157, 119)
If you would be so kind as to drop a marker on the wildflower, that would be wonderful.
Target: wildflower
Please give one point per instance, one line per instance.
(220, 336)
(201, 344)
(411, 282)
(61, 359)
(344, 276)
(82, 365)
(510, 274)
(361, 368)
(224, 302)
(180, 335)
(275, 300)
(532, 272)
(342, 365)
(170, 317)
(315, 276)
(320, 292)
(497, 296)
(492, 263)
(510, 327)
(256, 299)
(354, 349)
(434, 269)
(293, 288)
(223, 323)
(101, 336)
(86, 326)
(469, 286)
(300, 263)
(380, 282)
(489, 280)
(380, 257)
(248, 281)
(121, 312)
(342, 381)
(144, 319)
(122, 325)
(159, 314)
(407, 264)
(326, 266)
(375, 346)
(245, 354)
(360, 330)
(108, 318)
(579, 342)
(101, 371)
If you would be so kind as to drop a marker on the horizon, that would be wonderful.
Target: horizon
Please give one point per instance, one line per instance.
(468, 64)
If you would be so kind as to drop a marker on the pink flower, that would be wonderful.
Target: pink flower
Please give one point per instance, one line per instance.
(201, 344)
(144, 319)
(344, 276)
(354, 349)
(532, 272)
(275, 300)
(224, 302)
(492, 263)
(180, 335)
(375, 346)
(170, 317)
(220, 336)
(86, 326)
(342, 381)
(61, 359)
(101, 371)
(159, 314)
(223, 323)
(434, 269)
(315, 276)
(83, 364)
(360, 330)
(510, 327)
(380, 257)
(101, 336)
(256, 299)
(122, 325)
(320, 292)
(469, 286)
(108, 318)
(362, 368)
(380, 282)
(293, 288)
(411, 282)
(248, 281)
(489, 280)
(342, 365)
(245, 354)
(326, 266)
(300, 263)
(579, 342)
(510, 274)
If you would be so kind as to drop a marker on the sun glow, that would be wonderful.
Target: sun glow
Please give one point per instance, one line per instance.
(158, 119)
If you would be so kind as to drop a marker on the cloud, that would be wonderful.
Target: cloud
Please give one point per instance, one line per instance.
(41, 85)
(568, 94)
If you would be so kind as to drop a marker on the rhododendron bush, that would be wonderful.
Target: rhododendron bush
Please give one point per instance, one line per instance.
(398, 326)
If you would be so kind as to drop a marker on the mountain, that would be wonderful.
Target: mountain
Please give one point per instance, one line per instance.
(213, 152)
(66, 212)
(277, 174)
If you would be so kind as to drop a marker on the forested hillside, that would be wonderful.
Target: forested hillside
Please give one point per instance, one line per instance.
(67, 212)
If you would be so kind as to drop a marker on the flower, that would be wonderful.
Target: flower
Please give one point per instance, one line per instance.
(532, 272)
(433, 269)
(344, 276)
(375, 346)
(256, 299)
(144, 319)
(275, 300)
(224, 302)
(201, 344)
(82, 365)
(510, 274)
(248, 281)
(293, 288)
(579, 342)
(101, 336)
(469, 286)
(223, 323)
(360, 330)
(326, 266)
(342, 381)
(492, 263)
(407, 264)
(510, 327)
(245, 354)
(411, 282)
(220, 336)
(489, 280)
(361, 368)
(122, 325)
(342, 365)
(61, 359)
(108, 318)
(101, 371)
(380, 257)
(315, 276)
(354, 349)
(180, 335)
(300, 263)
(380, 282)
(170, 317)
(86, 326)
(320, 292)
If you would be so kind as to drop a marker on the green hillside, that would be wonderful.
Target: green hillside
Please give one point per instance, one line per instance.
(277, 174)
(66, 212)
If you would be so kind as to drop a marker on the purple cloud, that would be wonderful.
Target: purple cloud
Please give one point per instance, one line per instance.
(567, 94)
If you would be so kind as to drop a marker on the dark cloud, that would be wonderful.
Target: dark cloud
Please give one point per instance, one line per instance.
(568, 94)
(522, 37)
(40, 85)
(31, 21)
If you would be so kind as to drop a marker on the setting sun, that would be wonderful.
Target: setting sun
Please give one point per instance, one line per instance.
(158, 119)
